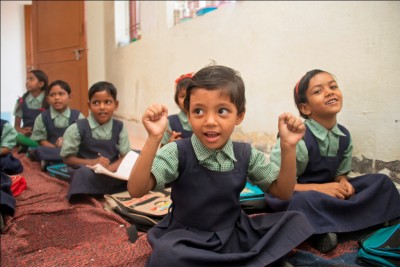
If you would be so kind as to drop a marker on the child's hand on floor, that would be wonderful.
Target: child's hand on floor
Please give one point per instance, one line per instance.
(291, 129)
(155, 120)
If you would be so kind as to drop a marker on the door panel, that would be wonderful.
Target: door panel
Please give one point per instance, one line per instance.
(59, 45)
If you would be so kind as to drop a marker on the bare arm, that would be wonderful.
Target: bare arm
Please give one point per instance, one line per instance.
(27, 131)
(291, 130)
(46, 143)
(141, 180)
(74, 160)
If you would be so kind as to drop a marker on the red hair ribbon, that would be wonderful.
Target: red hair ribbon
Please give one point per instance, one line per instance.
(184, 76)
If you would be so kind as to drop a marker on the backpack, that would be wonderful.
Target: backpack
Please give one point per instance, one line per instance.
(143, 213)
(380, 248)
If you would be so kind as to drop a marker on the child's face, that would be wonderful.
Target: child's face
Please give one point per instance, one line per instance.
(324, 98)
(181, 98)
(32, 83)
(58, 98)
(213, 117)
(102, 105)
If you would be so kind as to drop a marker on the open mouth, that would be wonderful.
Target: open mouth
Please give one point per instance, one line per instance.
(211, 136)
(332, 101)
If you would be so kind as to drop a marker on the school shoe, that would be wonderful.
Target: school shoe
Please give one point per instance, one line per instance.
(324, 242)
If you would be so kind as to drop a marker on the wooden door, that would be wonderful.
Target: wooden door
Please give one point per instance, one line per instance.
(59, 46)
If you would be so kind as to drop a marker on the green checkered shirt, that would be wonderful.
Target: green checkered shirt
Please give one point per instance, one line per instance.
(328, 142)
(165, 164)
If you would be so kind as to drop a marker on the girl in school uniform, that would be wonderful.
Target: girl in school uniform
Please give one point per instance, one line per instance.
(29, 106)
(205, 225)
(9, 165)
(97, 139)
(332, 202)
(178, 124)
(51, 124)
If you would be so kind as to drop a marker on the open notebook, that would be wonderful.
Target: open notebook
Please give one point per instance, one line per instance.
(124, 169)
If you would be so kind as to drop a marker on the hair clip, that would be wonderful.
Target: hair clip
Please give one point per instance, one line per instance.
(184, 76)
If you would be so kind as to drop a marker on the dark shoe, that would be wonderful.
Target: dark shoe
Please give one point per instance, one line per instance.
(324, 242)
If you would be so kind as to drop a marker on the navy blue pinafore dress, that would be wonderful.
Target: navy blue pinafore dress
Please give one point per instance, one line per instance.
(52, 154)
(29, 115)
(85, 180)
(176, 126)
(376, 199)
(7, 200)
(206, 227)
(8, 163)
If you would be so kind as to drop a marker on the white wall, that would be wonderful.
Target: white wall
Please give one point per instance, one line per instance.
(272, 44)
(94, 17)
(13, 72)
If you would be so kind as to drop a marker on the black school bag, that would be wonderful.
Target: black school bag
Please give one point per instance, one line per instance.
(380, 248)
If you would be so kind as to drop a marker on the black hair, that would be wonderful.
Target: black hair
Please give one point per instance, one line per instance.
(217, 77)
(42, 77)
(300, 96)
(103, 86)
(63, 84)
(182, 84)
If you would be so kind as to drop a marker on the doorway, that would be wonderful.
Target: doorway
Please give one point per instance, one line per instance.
(55, 37)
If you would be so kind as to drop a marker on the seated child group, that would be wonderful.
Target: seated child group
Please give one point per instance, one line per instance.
(308, 195)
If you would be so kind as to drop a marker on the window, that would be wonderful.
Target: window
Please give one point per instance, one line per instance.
(127, 22)
(186, 10)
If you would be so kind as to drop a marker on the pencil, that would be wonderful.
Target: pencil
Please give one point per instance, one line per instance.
(168, 131)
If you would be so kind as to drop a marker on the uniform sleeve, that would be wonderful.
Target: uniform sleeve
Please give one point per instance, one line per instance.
(261, 172)
(345, 165)
(72, 141)
(165, 165)
(8, 136)
(39, 131)
(124, 145)
(17, 110)
(301, 156)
